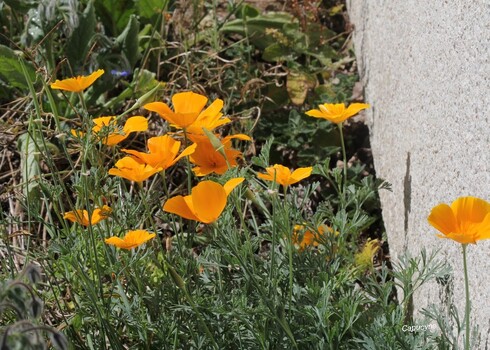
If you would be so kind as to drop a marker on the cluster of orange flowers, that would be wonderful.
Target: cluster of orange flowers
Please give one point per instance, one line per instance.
(208, 153)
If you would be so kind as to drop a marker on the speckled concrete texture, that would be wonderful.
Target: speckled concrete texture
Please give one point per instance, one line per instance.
(425, 66)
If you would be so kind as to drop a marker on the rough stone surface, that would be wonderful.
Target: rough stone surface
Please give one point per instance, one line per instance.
(426, 72)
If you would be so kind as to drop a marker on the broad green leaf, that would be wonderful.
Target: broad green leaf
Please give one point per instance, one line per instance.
(78, 44)
(11, 71)
(149, 8)
(128, 41)
(114, 14)
(257, 28)
(246, 10)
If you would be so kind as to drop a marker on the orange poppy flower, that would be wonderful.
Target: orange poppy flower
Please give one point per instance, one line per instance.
(187, 108)
(467, 220)
(209, 160)
(336, 112)
(309, 238)
(163, 152)
(284, 176)
(205, 203)
(209, 119)
(77, 84)
(82, 217)
(131, 240)
(131, 169)
(104, 124)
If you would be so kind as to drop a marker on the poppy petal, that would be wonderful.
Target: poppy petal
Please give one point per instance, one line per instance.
(77, 84)
(116, 241)
(177, 205)
(442, 219)
(79, 216)
(300, 174)
(209, 200)
(137, 123)
(470, 209)
(188, 102)
(158, 107)
(187, 151)
(355, 108)
(231, 184)
(484, 228)
(315, 113)
(213, 110)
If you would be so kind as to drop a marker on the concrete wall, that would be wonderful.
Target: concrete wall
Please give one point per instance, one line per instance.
(425, 66)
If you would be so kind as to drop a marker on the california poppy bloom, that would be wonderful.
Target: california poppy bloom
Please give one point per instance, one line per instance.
(187, 108)
(131, 169)
(336, 112)
(309, 237)
(131, 240)
(210, 119)
(284, 176)
(205, 203)
(103, 124)
(209, 160)
(163, 152)
(77, 84)
(467, 220)
(82, 217)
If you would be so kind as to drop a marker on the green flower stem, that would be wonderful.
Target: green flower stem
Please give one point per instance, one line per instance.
(82, 101)
(344, 157)
(468, 305)
(164, 180)
(290, 250)
(189, 171)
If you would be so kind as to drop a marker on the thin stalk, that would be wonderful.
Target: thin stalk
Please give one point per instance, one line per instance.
(468, 305)
(164, 181)
(344, 157)
(290, 250)
(273, 250)
(82, 101)
(189, 171)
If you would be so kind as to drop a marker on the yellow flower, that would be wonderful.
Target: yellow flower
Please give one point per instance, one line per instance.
(77, 84)
(336, 112)
(309, 238)
(467, 220)
(131, 240)
(81, 216)
(104, 124)
(132, 170)
(284, 176)
(187, 109)
(209, 160)
(209, 119)
(163, 152)
(364, 258)
(205, 203)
